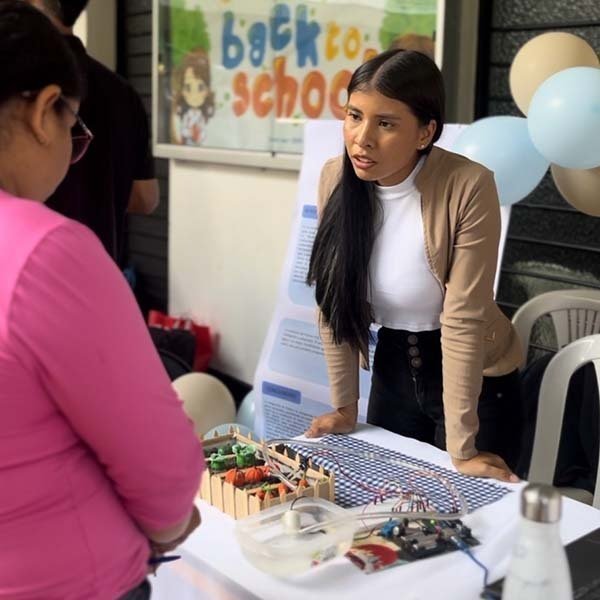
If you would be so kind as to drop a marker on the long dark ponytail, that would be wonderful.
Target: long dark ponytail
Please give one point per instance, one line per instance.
(339, 263)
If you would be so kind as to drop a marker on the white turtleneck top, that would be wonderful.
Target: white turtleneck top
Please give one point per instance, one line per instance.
(403, 293)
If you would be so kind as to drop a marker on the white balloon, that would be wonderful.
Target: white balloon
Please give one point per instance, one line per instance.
(245, 413)
(206, 400)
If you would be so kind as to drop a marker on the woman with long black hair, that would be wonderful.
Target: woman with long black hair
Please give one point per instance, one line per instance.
(408, 238)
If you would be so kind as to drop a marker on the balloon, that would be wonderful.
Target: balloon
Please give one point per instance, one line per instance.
(206, 401)
(502, 145)
(579, 187)
(225, 428)
(245, 413)
(564, 118)
(542, 57)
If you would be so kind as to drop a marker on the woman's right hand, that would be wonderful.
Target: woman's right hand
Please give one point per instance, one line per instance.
(341, 420)
(485, 464)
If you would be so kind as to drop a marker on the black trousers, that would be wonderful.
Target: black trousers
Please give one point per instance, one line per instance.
(406, 395)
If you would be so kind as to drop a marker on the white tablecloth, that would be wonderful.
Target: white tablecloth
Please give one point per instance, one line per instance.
(213, 566)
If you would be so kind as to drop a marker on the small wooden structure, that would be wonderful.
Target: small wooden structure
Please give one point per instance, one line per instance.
(242, 502)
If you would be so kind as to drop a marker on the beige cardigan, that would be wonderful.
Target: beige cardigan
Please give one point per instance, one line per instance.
(461, 222)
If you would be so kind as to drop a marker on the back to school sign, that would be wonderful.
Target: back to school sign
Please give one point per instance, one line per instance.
(241, 74)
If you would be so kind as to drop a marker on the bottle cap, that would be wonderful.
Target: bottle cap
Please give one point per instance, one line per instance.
(541, 503)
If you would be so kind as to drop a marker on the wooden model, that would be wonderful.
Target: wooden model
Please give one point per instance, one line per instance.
(238, 482)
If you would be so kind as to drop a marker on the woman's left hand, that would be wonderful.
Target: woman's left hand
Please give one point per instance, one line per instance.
(485, 464)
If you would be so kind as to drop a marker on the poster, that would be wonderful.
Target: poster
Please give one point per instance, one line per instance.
(244, 76)
(290, 383)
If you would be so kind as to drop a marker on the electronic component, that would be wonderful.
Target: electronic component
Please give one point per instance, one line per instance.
(428, 538)
(392, 529)
(397, 542)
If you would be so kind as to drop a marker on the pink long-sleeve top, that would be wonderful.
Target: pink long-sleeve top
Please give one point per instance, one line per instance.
(94, 443)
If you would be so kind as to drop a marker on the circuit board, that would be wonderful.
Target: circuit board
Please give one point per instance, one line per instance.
(398, 542)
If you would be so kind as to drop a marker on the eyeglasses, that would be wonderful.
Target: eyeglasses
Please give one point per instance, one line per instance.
(81, 136)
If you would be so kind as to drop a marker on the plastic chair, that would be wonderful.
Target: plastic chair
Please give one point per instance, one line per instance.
(575, 314)
(551, 408)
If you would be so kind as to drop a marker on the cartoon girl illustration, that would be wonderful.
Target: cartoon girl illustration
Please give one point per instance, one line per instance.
(193, 102)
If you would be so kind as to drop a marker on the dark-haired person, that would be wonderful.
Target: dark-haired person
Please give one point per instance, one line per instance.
(116, 175)
(97, 460)
(408, 238)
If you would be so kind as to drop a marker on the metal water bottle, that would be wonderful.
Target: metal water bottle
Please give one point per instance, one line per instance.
(539, 569)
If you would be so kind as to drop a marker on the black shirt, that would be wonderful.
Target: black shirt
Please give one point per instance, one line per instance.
(96, 190)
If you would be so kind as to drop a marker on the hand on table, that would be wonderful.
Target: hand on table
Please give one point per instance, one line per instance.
(485, 464)
(341, 420)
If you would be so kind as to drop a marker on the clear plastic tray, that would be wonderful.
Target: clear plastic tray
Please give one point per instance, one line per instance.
(269, 543)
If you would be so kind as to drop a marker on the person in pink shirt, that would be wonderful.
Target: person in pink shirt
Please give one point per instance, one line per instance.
(99, 466)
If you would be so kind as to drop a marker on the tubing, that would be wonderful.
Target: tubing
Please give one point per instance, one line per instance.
(452, 490)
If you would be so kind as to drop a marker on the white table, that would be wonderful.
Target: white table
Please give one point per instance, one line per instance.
(212, 559)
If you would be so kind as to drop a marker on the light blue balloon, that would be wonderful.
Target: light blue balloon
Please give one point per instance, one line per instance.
(246, 411)
(502, 144)
(564, 118)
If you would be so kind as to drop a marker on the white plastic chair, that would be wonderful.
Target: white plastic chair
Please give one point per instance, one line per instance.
(575, 314)
(551, 409)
